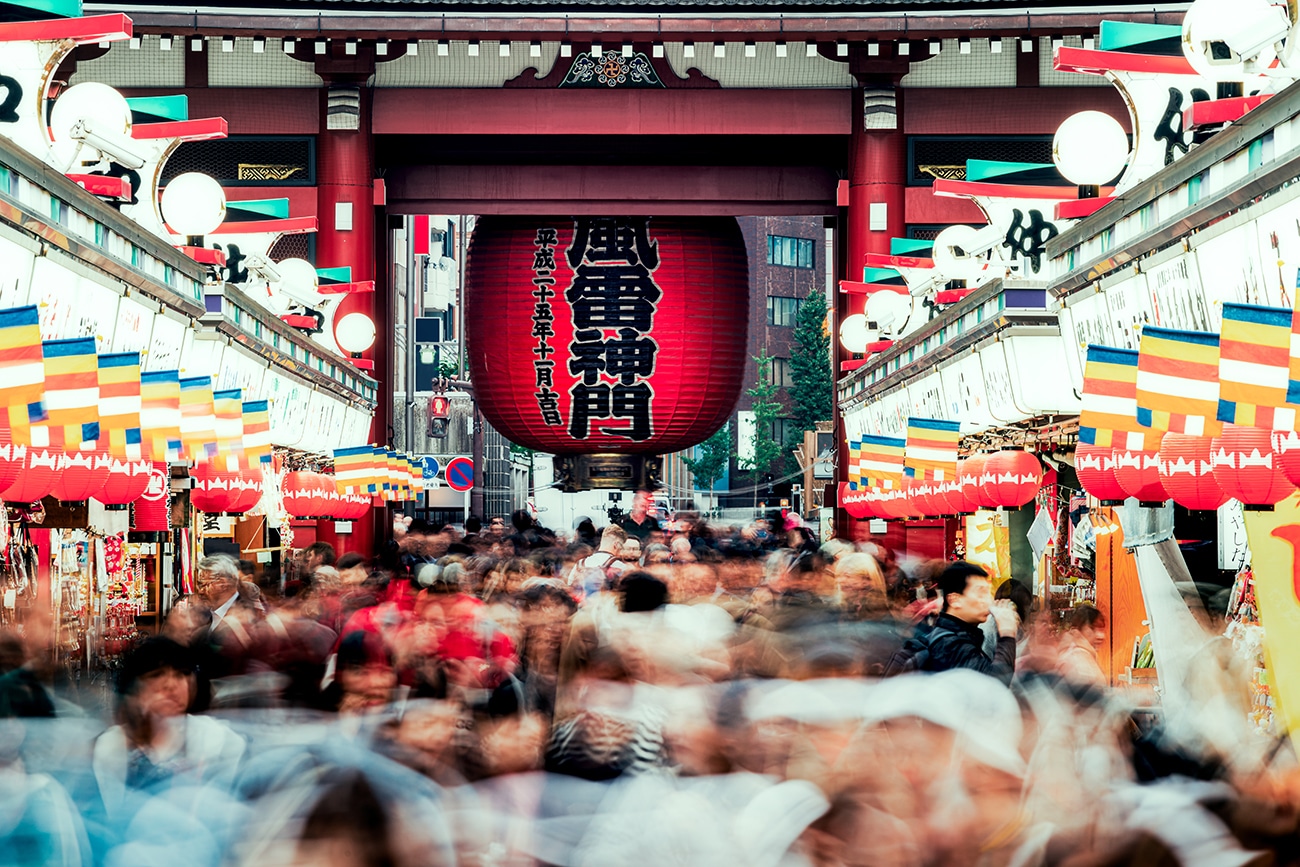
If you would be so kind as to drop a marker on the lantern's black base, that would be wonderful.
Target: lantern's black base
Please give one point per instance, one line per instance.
(607, 472)
(1256, 507)
(1152, 504)
(116, 507)
(1112, 503)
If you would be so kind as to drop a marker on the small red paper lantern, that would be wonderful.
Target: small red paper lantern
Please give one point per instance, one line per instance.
(1247, 468)
(127, 480)
(359, 506)
(918, 494)
(300, 493)
(1095, 467)
(11, 456)
(892, 505)
(84, 474)
(149, 512)
(1010, 478)
(969, 474)
(1286, 444)
(245, 490)
(854, 502)
(212, 491)
(1187, 472)
(1138, 473)
(39, 474)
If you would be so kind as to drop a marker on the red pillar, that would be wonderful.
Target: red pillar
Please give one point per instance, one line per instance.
(346, 208)
(877, 170)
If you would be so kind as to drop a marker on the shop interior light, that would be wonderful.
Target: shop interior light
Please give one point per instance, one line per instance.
(1089, 43)
(381, 47)
(472, 48)
(1057, 42)
(164, 43)
(503, 48)
(259, 44)
(193, 204)
(963, 45)
(227, 44)
(413, 47)
(105, 44)
(781, 50)
(1089, 149)
(904, 48)
(534, 49)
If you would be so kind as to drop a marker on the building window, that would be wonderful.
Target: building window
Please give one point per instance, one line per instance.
(781, 376)
(790, 252)
(783, 429)
(782, 311)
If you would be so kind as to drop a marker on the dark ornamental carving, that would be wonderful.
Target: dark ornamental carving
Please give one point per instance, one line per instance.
(612, 70)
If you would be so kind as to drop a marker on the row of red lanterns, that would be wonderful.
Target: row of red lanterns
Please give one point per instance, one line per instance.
(1257, 467)
(315, 495)
(30, 473)
(218, 490)
(1007, 479)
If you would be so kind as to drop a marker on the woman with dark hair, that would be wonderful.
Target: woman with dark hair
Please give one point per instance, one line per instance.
(158, 738)
(1084, 636)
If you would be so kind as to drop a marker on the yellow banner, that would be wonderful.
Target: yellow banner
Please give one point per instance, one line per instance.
(1275, 557)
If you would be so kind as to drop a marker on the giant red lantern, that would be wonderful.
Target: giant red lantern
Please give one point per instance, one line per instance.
(607, 335)
(1010, 478)
(1138, 473)
(84, 474)
(1095, 467)
(1187, 472)
(1247, 468)
(127, 480)
(38, 476)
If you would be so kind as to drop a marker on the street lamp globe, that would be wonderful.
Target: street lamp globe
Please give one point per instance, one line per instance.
(355, 332)
(855, 333)
(193, 204)
(1090, 148)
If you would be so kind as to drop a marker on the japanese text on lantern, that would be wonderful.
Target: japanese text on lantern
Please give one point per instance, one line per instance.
(548, 400)
(613, 298)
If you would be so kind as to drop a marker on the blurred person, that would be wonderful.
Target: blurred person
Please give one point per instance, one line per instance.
(681, 551)
(956, 641)
(630, 552)
(638, 521)
(217, 621)
(21, 692)
(861, 586)
(158, 740)
(585, 532)
(364, 675)
(352, 568)
(656, 554)
(39, 822)
(1085, 634)
(595, 573)
(497, 526)
(314, 556)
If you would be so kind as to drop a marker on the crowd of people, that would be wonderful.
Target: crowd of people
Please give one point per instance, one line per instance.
(638, 694)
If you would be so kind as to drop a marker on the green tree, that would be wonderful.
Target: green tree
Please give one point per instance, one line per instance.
(711, 465)
(768, 454)
(812, 385)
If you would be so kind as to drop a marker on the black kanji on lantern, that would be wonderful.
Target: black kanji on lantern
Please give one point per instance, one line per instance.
(548, 401)
(599, 401)
(613, 239)
(613, 296)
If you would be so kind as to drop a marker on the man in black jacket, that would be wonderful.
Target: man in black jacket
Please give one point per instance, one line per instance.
(957, 640)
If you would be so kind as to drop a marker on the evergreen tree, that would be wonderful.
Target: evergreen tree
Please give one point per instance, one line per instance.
(711, 465)
(812, 384)
(768, 454)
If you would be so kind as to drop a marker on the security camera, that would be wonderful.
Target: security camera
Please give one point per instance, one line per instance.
(925, 287)
(1249, 37)
(120, 150)
(984, 239)
(259, 265)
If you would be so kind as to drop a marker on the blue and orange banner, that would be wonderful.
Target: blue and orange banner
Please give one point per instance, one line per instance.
(1255, 367)
(198, 419)
(257, 432)
(71, 395)
(1108, 415)
(119, 404)
(353, 469)
(22, 370)
(228, 408)
(881, 462)
(931, 451)
(1178, 381)
(160, 415)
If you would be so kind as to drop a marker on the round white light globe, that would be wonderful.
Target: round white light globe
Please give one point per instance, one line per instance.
(1090, 148)
(299, 275)
(193, 204)
(105, 108)
(951, 256)
(889, 310)
(854, 333)
(355, 332)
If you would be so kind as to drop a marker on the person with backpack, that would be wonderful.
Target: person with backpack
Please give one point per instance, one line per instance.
(956, 639)
(603, 568)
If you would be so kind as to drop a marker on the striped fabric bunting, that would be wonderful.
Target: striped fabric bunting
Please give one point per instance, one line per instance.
(352, 469)
(160, 415)
(228, 407)
(854, 468)
(22, 370)
(931, 451)
(1108, 416)
(198, 419)
(881, 463)
(71, 395)
(1178, 381)
(378, 472)
(257, 432)
(1255, 367)
(119, 404)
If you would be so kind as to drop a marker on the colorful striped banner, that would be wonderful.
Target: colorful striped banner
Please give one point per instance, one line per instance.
(931, 451)
(854, 459)
(1255, 367)
(352, 469)
(160, 415)
(1178, 381)
(119, 404)
(881, 463)
(22, 370)
(1108, 416)
(257, 432)
(198, 419)
(228, 407)
(71, 395)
